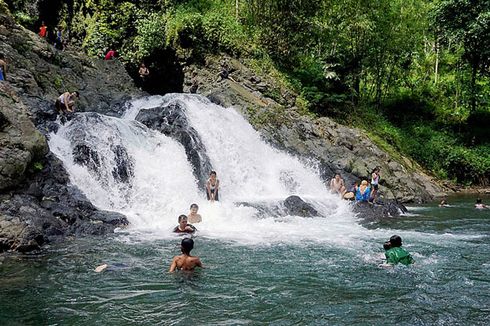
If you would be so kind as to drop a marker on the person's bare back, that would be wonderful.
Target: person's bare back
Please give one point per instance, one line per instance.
(185, 262)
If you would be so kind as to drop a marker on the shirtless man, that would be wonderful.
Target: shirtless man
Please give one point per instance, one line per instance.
(337, 185)
(193, 217)
(183, 227)
(185, 262)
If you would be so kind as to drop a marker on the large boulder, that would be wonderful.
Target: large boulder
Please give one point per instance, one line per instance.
(381, 210)
(170, 120)
(298, 207)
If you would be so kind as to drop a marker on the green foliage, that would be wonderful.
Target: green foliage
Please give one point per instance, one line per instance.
(38, 166)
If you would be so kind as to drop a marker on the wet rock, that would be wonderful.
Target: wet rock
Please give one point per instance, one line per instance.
(171, 121)
(84, 155)
(298, 207)
(381, 210)
(124, 169)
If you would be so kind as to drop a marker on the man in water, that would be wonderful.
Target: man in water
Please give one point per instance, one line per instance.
(185, 262)
(395, 253)
(183, 227)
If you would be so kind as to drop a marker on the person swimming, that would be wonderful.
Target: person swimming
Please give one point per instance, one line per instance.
(185, 262)
(193, 217)
(479, 204)
(443, 203)
(395, 253)
(212, 187)
(183, 227)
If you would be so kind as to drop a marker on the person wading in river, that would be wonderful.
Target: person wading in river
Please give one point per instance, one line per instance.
(185, 262)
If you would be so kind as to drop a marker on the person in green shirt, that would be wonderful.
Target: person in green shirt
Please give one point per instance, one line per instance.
(395, 253)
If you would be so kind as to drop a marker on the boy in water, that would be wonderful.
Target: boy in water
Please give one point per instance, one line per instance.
(183, 226)
(193, 217)
(185, 262)
(395, 253)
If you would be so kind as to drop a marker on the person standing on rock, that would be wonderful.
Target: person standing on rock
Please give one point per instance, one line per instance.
(375, 182)
(3, 68)
(58, 42)
(43, 30)
(224, 72)
(212, 187)
(194, 83)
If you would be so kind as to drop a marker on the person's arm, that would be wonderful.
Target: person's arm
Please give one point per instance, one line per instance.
(198, 263)
(66, 97)
(173, 266)
(208, 189)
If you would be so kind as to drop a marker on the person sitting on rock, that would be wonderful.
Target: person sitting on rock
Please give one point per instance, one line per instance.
(212, 187)
(185, 262)
(183, 227)
(350, 194)
(224, 73)
(363, 192)
(65, 105)
(3, 68)
(395, 253)
(193, 217)
(337, 185)
(479, 204)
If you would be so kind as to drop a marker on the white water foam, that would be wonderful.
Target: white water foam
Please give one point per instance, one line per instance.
(164, 186)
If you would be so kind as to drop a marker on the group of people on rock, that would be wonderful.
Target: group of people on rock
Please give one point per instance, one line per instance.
(366, 191)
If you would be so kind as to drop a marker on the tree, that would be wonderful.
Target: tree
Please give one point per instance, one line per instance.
(468, 22)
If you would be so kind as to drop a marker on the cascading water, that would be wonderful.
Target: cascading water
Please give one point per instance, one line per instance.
(158, 182)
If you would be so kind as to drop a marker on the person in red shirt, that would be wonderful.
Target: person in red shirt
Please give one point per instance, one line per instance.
(110, 55)
(43, 30)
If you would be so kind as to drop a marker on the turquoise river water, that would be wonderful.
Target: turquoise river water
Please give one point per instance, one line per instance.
(274, 283)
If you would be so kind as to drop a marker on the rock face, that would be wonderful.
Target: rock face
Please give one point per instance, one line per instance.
(37, 203)
(171, 121)
(297, 207)
(375, 212)
(337, 148)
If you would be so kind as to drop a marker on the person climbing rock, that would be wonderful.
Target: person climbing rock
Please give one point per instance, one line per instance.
(58, 42)
(3, 68)
(185, 262)
(65, 105)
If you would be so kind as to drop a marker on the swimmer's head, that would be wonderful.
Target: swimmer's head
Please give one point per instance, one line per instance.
(183, 221)
(478, 201)
(212, 173)
(395, 241)
(387, 245)
(187, 245)
(194, 206)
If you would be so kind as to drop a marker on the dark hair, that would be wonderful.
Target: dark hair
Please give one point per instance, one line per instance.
(478, 200)
(396, 241)
(2, 56)
(76, 92)
(181, 217)
(212, 172)
(187, 245)
(194, 205)
(387, 245)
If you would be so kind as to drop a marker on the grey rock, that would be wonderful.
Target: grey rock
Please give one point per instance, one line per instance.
(297, 207)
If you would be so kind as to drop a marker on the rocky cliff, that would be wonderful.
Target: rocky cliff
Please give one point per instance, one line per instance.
(37, 202)
(339, 149)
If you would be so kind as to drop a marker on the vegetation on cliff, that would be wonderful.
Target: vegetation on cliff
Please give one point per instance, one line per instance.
(414, 74)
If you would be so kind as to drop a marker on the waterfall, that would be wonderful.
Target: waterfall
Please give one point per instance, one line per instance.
(122, 165)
